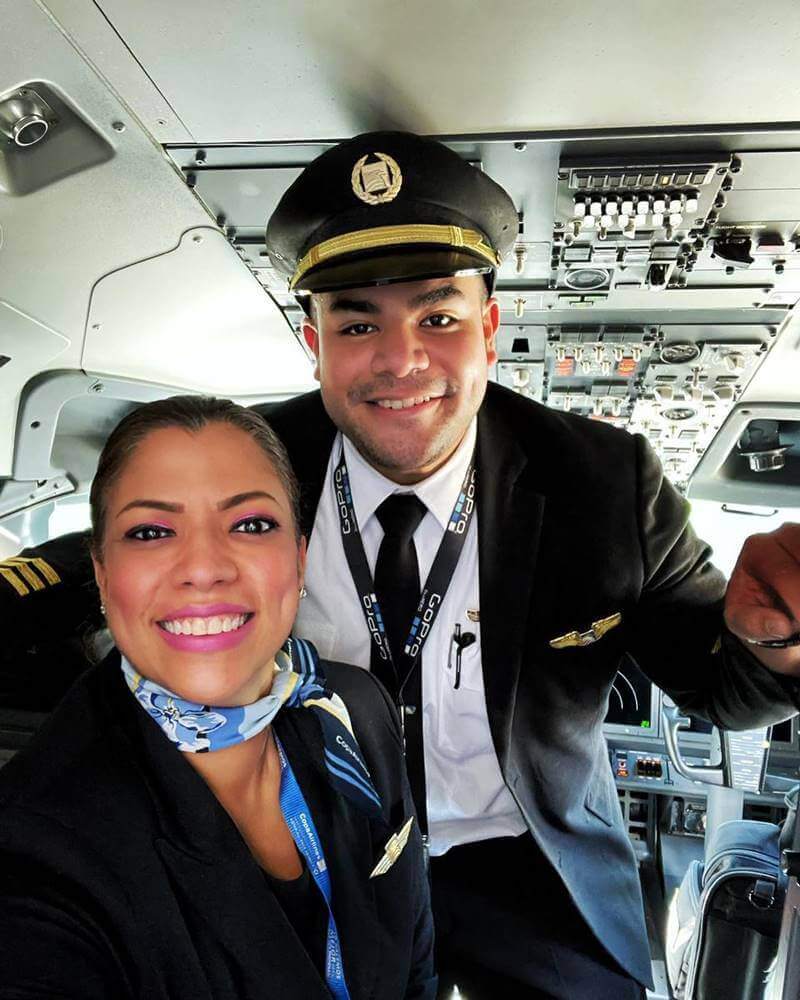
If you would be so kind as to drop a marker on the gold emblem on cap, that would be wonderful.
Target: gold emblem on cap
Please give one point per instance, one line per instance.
(377, 182)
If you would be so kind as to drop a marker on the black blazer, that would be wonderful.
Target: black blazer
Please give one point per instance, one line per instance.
(575, 522)
(122, 876)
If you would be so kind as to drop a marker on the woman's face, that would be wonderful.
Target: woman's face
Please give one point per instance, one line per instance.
(201, 571)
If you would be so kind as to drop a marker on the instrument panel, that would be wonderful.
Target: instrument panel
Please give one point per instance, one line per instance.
(638, 751)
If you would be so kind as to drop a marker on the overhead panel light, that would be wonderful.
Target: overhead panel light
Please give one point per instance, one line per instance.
(761, 446)
(25, 118)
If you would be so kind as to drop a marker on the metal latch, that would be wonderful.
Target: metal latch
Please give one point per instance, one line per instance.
(762, 895)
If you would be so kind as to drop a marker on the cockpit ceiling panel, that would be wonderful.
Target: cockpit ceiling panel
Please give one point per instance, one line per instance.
(223, 335)
(28, 347)
(290, 69)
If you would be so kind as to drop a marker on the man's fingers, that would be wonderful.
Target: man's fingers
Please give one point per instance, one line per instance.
(788, 536)
(763, 598)
(752, 622)
(779, 570)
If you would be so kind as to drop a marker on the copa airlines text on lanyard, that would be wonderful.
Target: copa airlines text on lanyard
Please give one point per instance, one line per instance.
(441, 572)
(304, 833)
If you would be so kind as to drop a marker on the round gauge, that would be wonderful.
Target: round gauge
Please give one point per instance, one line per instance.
(679, 354)
(679, 413)
(586, 279)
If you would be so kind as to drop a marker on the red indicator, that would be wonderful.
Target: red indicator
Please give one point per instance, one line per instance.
(565, 368)
(626, 367)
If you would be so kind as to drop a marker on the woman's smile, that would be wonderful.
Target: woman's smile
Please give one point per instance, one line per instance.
(206, 635)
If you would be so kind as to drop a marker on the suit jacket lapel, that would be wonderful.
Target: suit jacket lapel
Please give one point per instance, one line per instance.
(510, 512)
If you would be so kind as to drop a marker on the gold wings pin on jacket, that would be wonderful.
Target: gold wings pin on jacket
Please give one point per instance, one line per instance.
(394, 848)
(597, 631)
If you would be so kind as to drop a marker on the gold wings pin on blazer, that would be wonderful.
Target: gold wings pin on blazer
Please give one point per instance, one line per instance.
(394, 848)
(597, 631)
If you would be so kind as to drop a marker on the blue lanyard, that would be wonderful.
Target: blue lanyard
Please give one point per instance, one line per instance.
(301, 826)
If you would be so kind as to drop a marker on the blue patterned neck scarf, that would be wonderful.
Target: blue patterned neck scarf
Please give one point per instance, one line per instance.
(299, 682)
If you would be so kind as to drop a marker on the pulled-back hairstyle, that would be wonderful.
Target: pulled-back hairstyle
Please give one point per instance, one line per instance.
(190, 413)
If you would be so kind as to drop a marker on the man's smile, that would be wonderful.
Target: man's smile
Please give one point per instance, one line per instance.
(405, 402)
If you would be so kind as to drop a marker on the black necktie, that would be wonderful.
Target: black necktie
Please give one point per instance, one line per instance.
(397, 577)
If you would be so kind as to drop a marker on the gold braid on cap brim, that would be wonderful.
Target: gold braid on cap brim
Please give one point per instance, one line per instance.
(385, 236)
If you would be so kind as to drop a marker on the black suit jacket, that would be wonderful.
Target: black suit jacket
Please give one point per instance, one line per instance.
(575, 522)
(122, 876)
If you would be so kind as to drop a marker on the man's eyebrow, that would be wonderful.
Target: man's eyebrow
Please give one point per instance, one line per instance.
(342, 304)
(178, 508)
(435, 295)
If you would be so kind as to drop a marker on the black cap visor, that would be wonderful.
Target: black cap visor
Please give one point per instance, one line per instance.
(391, 267)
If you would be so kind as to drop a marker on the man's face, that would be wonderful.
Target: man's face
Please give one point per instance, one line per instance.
(403, 368)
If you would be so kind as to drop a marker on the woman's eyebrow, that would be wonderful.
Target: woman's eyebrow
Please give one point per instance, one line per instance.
(172, 508)
(178, 508)
(238, 498)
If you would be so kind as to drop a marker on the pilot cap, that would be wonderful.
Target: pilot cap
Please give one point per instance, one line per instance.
(387, 207)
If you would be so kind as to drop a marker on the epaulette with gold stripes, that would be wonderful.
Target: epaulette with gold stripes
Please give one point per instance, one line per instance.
(27, 575)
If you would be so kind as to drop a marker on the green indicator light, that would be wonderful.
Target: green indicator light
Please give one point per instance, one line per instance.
(645, 724)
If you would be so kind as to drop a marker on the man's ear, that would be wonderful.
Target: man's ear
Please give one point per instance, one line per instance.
(311, 337)
(491, 324)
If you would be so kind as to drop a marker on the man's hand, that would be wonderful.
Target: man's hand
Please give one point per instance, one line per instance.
(763, 597)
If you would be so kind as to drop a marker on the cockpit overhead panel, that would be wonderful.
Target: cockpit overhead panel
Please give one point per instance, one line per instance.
(675, 384)
(664, 294)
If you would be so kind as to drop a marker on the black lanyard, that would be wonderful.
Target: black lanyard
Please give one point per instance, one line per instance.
(433, 593)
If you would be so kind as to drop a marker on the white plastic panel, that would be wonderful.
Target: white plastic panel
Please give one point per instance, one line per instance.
(32, 347)
(196, 319)
(778, 378)
(96, 37)
(289, 69)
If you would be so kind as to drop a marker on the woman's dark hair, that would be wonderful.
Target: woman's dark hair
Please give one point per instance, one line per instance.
(190, 413)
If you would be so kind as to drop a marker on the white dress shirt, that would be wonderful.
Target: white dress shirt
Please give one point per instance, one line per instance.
(467, 799)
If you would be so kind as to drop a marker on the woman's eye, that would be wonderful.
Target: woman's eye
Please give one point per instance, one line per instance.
(438, 320)
(358, 329)
(148, 533)
(255, 526)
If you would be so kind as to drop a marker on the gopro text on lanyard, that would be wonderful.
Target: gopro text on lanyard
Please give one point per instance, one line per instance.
(435, 587)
